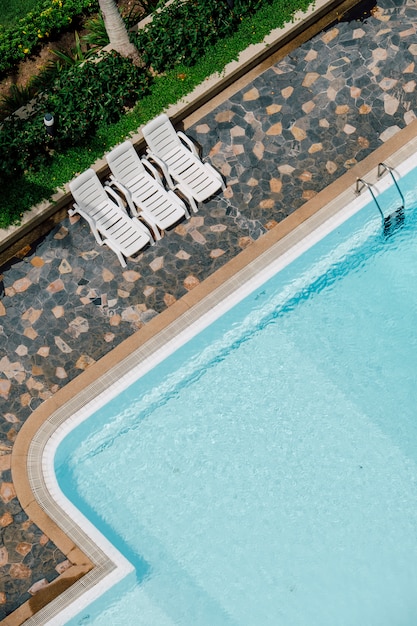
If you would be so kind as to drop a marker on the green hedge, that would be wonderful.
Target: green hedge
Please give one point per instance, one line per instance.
(46, 20)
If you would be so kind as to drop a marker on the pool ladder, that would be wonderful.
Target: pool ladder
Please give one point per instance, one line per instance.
(395, 218)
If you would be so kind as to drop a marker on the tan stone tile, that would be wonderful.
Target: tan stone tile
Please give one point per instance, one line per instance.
(23, 548)
(65, 267)
(311, 55)
(191, 282)
(84, 361)
(6, 519)
(198, 237)
(21, 350)
(308, 194)
(270, 224)
(287, 92)
(349, 129)
(203, 129)
(252, 94)
(115, 320)
(11, 417)
(5, 386)
(237, 131)
(32, 315)
(37, 261)
(214, 254)
(30, 333)
(224, 116)
(37, 586)
(157, 263)
(244, 242)
(308, 107)
(309, 79)
(21, 285)
(55, 286)
(298, 133)
(275, 185)
(2, 309)
(62, 233)
(62, 345)
(131, 276)
(169, 299)
(330, 35)
(315, 147)
(7, 492)
(61, 373)
(364, 109)
(43, 351)
(355, 92)
(331, 167)
(273, 108)
(20, 571)
(274, 130)
(410, 86)
(342, 109)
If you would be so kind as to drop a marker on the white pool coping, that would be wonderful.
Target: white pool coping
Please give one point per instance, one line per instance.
(109, 565)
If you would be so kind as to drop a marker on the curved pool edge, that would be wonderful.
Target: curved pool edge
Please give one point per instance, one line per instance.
(31, 474)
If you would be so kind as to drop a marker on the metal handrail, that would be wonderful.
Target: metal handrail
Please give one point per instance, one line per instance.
(383, 167)
(359, 188)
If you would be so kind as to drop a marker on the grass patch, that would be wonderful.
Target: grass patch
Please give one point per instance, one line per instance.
(19, 196)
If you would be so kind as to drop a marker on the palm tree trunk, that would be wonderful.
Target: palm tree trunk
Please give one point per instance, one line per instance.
(117, 32)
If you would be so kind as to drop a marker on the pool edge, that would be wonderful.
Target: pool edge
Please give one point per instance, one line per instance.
(402, 145)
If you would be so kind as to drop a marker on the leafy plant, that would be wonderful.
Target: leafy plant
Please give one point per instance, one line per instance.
(96, 35)
(75, 57)
(48, 18)
(17, 97)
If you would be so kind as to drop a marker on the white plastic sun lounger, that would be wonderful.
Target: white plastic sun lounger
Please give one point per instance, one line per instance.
(143, 189)
(107, 218)
(178, 158)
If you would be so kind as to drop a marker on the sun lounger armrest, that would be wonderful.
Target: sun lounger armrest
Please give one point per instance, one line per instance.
(114, 196)
(89, 220)
(216, 174)
(175, 198)
(125, 191)
(144, 229)
(163, 167)
(190, 145)
(152, 170)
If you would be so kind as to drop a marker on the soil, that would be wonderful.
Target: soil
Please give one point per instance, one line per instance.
(34, 64)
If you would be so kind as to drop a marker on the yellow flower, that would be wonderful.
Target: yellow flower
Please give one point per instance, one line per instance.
(40, 35)
(26, 50)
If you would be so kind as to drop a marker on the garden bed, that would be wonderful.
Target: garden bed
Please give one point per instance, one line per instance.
(38, 221)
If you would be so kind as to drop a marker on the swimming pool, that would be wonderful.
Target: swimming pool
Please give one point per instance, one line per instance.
(320, 457)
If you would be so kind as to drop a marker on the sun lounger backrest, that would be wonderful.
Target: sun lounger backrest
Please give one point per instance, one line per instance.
(125, 163)
(88, 192)
(160, 136)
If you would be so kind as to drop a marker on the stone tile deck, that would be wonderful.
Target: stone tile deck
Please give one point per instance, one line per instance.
(279, 141)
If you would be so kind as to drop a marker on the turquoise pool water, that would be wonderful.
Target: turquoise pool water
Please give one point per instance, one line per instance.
(266, 473)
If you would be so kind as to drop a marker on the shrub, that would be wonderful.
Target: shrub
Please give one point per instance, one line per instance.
(46, 20)
(83, 98)
(198, 25)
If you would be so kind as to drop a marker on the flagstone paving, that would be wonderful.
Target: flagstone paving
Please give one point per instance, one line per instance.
(278, 142)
